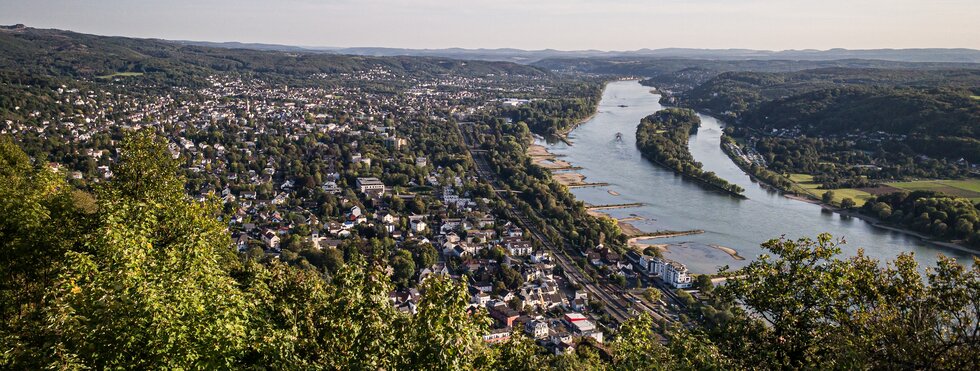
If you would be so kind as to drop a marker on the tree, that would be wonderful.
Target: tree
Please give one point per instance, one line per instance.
(518, 353)
(652, 295)
(828, 197)
(445, 336)
(43, 219)
(703, 283)
(358, 326)
(637, 347)
(404, 268)
(425, 255)
(618, 279)
(150, 266)
(847, 203)
(804, 307)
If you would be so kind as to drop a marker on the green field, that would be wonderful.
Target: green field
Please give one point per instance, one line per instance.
(977, 97)
(960, 188)
(969, 189)
(120, 74)
(806, 182)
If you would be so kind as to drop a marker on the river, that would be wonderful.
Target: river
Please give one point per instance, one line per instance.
(672, 203)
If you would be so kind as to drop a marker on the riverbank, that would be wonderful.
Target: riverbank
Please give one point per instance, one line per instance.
(540, 156)
(562, 135)
(727, 250)
(698, 180)
(760, 174)
(628, 229)
(635, 244)
(878, 223)
(664, 234)
(800, 195)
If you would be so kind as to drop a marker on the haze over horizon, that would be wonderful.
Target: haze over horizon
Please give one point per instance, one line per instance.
(545, 24)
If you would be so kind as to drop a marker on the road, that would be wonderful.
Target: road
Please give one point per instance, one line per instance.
(618, 303)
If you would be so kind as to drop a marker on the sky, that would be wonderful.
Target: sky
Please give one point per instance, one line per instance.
(525, 24)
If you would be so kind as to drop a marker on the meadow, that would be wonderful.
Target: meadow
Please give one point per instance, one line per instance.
(806, 182)
(969, 188)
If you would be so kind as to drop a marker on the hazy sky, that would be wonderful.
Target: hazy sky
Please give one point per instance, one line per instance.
(527, 24)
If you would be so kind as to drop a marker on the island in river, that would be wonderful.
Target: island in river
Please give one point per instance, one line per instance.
(663, 136)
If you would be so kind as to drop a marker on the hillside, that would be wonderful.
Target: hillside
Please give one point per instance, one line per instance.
(738, 92)
(31, 51)
(931, 112)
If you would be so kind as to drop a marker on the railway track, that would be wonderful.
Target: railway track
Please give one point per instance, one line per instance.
(617, 302)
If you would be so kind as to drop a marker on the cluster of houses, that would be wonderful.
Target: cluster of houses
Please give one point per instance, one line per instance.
(267, 203)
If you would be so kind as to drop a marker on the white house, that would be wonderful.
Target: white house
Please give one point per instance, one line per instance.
(270, 239)
(418, 226)
(671, 272)
(370, 185)
(537, 329)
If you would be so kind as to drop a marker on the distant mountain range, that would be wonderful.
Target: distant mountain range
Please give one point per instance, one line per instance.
(530, 56)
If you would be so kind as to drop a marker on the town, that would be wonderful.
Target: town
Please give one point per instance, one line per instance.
(304, 173)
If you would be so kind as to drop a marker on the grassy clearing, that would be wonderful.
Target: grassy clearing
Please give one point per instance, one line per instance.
(977, 97)
(806, 182)
(959, 188)
(970, 185)
(969, 188)
(120, 74)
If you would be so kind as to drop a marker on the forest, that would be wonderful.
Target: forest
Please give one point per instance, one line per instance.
(852, 162)
(31, 52)
(931, 213)
(928, 111)
(662, 137)
(574, 103)
(738, 92)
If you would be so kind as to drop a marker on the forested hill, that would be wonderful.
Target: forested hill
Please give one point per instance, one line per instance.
(43, 52)
(937, 111)
(688, 73)
(738, 92)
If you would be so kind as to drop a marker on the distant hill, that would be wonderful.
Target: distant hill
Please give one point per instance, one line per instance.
(530, 56)
(36, 52)
(252, 46)
(937, 109)
(738, 92)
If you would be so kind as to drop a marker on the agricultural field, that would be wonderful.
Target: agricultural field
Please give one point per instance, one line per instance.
(806, 182)
(960, 188)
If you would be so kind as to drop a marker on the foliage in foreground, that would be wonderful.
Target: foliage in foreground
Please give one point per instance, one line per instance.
(139, 276)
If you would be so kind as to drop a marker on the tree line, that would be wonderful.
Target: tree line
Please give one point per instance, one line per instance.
(932, 213)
